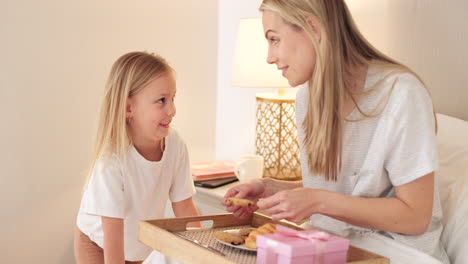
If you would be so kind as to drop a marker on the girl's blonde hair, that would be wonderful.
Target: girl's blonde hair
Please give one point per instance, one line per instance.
(129, 74)
(340, 48)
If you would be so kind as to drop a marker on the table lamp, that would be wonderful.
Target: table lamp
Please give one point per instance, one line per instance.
(276, 132)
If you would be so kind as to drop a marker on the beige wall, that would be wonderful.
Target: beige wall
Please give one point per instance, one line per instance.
(430, 36)
(55, 56)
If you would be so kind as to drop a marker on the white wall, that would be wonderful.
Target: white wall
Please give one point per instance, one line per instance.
(430, 36)
(235, 107)
(55, 57)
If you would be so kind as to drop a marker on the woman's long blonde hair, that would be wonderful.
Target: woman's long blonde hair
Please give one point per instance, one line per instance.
(129, 74)
(341, 47)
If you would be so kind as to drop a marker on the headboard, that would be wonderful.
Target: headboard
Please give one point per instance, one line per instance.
(430, 36)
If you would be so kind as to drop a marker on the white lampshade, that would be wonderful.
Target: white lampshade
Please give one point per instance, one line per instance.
(250, 68)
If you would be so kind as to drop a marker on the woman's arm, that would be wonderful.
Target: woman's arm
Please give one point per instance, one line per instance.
(186, 208)
(273, 186)
(113, 240)
(409, 212)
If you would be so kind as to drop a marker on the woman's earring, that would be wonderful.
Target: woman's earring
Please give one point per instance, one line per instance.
(128, 120)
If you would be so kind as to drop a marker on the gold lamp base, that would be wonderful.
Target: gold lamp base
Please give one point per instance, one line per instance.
(276, 136)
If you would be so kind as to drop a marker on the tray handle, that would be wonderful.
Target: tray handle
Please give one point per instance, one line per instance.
(178, 224)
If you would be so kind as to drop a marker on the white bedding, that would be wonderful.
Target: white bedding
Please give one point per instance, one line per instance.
(398, 253)
(452, 140)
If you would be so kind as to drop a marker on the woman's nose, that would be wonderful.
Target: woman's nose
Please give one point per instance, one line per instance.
(271, 58)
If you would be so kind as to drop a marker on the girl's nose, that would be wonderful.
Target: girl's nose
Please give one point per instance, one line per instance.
(171, 109)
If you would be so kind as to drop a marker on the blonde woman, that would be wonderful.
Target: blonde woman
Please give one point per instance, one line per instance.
(366, 129)
(140, 163)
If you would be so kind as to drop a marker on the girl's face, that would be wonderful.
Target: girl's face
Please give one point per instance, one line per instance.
(151, 110)
(289, 48)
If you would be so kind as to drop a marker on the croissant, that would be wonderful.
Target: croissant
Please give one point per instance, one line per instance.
(251, 240)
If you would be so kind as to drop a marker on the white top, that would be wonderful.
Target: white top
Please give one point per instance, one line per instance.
(394, 148)
(135, 189)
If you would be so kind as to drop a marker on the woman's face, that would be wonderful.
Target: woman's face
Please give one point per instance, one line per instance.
(289, 48)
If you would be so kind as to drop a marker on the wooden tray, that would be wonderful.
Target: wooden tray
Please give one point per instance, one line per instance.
(157, 235)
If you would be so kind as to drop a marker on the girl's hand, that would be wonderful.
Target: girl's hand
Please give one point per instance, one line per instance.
(252, 190)
(293, 205)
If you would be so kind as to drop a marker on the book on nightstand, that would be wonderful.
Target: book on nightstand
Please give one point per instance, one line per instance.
(214, 183)
(213, 170)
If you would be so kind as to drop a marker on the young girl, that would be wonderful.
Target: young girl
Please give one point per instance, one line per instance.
(366, 130)
(139, 163)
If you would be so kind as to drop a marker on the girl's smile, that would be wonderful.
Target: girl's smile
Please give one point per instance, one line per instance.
(165, 125)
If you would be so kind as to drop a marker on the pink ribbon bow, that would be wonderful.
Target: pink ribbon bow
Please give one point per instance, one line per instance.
(318, 237)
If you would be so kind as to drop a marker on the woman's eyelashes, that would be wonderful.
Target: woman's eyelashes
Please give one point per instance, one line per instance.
(274, 41)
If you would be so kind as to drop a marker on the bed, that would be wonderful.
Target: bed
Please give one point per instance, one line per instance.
(452, 176)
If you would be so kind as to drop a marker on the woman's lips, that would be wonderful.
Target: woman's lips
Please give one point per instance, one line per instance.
(283, 70)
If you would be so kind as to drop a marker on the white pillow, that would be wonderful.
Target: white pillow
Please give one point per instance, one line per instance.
(452, 175)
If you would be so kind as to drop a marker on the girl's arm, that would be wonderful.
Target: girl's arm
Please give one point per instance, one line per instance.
(409, 212)
(113, 240)
(186, 208)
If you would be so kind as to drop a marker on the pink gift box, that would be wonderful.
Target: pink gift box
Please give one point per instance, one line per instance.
(289, 246)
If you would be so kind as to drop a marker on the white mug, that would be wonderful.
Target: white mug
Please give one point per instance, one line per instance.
(249, 167)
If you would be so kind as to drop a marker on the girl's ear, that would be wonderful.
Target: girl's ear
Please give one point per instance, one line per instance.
(128, 108)
(315, 25)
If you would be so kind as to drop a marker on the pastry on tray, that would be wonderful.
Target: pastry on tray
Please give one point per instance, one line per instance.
(239, 237)
(229, 238)
(246, 231)
(251, 240)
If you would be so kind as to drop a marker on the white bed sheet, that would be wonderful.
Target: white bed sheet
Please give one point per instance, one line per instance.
(398, 253)
(452, 176)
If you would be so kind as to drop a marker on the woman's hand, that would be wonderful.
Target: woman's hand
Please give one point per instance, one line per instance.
(408, 212)
(293, 205)
(252, 190)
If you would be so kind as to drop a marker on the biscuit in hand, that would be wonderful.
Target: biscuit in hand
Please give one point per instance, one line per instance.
(229, 238)
(240, 201)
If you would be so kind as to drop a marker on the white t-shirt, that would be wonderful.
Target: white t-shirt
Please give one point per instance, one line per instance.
(135, 189)
(391, 149)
